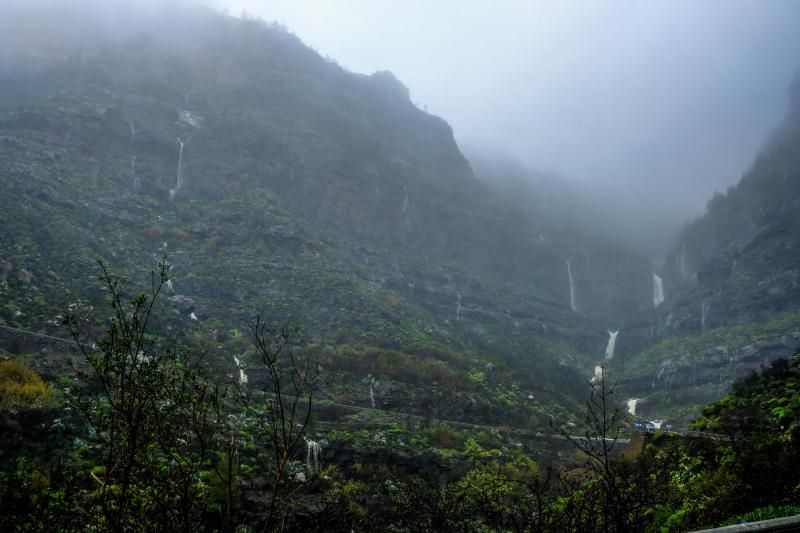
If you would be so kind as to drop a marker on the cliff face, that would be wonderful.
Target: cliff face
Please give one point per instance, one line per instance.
(273, 179)
(740, 260)
(732, 284)
(218, 108)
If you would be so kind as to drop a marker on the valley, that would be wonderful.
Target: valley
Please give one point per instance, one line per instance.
(456, 319)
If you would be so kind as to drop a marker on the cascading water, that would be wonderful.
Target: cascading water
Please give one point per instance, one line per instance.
(658, 290)
(179, 173)
(458, 307)
(405, 208)
(631, 404)
(312, 454)
(372, 383)
(137, 183)
(133, 133)
(242, 375)
(572, 303)
(598, 373)
(612, 343)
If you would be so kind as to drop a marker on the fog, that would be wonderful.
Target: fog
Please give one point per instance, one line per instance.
(647, 108)
(657, 104)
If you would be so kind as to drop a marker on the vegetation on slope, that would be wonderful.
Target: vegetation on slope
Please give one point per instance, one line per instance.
(145, 437)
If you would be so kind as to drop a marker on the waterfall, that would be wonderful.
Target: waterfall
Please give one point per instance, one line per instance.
(632, 406)
(658, 290)
(312, 454)
(703, 315)
(572, 303)
(612, 343)
(405, 209)
(372, 383)
(179, 173)
(137, 183)
(598, 373)
(458, 307)
(133, 133)
(242, 375)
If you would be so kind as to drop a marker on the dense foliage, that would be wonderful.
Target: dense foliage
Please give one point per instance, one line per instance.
(142, 438)
(449, 346)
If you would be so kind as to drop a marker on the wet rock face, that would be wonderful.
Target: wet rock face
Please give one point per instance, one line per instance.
(734, 281)
(702, 375)
(741, 258)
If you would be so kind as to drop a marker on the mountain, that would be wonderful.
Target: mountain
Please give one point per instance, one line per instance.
(732, 283)
(270, 178)
(457, 307)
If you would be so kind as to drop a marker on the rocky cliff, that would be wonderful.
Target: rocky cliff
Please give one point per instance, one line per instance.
(732, 281)
(271, 178)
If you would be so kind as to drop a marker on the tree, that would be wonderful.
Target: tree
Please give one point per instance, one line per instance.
(281, 415)
(22, 389)
(152, 412)
(615, 493)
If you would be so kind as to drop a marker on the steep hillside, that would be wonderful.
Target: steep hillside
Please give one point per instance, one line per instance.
(742, 256)
(732, 283)
(612, 282)
(272, 179)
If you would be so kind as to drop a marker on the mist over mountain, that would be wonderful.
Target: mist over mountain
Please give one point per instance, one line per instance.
(649, 108)
(731, 279)
(274, 179)
(607, 213)
(459, 293)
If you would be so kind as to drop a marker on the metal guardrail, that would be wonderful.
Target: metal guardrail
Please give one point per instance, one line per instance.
(775, 525)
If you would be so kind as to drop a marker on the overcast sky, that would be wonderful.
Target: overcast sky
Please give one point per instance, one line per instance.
(673, 97)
